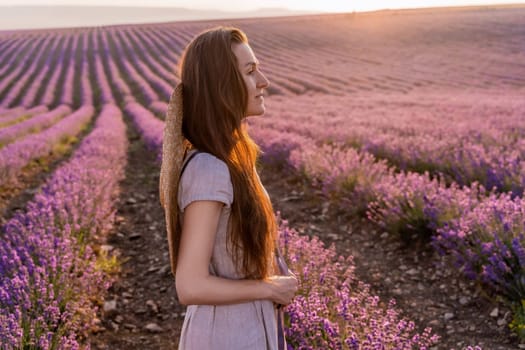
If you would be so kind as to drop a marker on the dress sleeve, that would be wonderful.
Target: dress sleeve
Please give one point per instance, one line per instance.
(206, 178)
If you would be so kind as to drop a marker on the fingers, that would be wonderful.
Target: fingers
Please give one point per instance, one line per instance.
(284, 288)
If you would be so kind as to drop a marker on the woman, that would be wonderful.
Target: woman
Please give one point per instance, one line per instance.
(221, 226)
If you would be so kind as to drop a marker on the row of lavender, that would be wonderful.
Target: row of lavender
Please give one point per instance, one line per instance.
(41, 70)
(333, 309)
(464, 138)
(14, 157)
(15, 115)
(32, 125)
(482, 230)
(50, 274)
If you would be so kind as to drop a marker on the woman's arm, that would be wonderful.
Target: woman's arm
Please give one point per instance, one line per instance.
(194, 283)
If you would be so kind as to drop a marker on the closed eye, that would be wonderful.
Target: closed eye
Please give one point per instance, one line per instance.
(253, 68)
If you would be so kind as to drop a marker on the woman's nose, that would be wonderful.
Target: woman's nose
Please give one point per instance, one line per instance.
(263, 81)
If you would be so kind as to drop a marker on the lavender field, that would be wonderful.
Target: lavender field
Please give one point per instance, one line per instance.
(409, 122)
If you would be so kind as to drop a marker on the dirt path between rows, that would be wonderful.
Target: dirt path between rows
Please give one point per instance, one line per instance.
(141, 309)
(142, 312)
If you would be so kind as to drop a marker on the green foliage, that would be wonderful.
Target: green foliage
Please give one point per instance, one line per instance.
(108, 264)
(518, 320)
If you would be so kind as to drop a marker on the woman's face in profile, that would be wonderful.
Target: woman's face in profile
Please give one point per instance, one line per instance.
(254, 80)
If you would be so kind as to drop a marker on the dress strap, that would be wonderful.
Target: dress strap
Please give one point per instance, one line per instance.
(188, 160)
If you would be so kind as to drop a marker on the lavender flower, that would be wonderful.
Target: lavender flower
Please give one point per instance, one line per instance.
(32, 125)
(16, 155)
(48, 268)
(340, 313)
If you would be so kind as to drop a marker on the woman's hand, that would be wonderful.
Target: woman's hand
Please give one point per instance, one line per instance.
(282, 288)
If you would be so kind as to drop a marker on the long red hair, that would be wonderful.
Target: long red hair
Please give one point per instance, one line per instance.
(215, 102)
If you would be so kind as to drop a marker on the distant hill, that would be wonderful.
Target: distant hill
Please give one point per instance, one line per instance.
(27, 17)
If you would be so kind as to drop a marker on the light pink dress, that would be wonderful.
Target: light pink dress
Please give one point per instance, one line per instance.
(251, 325)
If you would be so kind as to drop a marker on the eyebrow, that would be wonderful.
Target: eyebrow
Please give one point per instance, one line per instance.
(252, 64)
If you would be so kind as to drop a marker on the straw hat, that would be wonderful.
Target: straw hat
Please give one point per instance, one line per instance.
(174, 147)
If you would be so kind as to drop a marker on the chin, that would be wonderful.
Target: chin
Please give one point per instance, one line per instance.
(256, 112)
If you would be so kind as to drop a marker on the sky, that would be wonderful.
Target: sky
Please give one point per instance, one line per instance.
(19, 14)
(243, 5)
